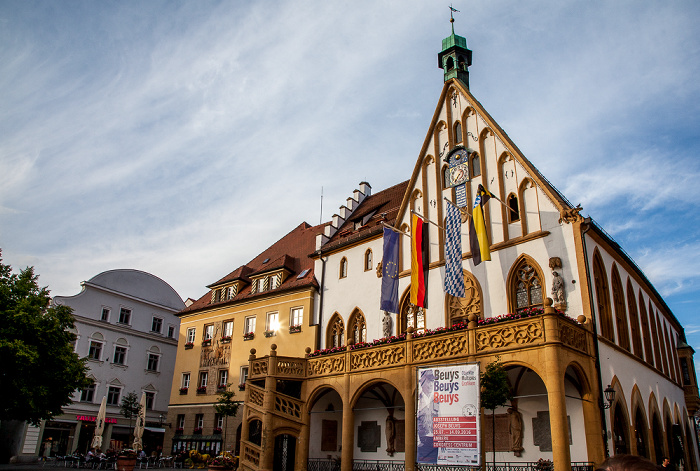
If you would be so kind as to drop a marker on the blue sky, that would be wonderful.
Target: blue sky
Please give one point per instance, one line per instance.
(182, 138)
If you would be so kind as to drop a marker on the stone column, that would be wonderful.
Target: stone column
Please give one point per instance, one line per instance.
(348, 437)
(267, 443)
(554, 382)
(410, 402)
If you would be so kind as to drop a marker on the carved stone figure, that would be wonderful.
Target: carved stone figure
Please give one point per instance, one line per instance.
(558, 289)
(570, 215)
(386, 325)
(516, 431)
(390, 435)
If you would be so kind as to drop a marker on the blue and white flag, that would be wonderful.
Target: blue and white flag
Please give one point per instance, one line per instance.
(454, 278)
(390, 272)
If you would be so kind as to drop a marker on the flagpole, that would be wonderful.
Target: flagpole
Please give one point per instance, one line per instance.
(394, 229)
(427, 220)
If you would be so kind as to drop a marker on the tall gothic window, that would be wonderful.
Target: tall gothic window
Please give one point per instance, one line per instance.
(602, 295)
(513, 208)
(357, 328)
(634, 321)
(646, 332)
(526, 287)
(343, 268)
(336, 330)
(623, 337)
(475, 165)
(368, 260)
(458, 132)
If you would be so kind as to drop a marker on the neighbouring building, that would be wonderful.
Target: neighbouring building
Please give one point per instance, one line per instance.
(595, 359)
(127, 327)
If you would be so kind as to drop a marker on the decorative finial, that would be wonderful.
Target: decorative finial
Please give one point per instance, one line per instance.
(452, 19)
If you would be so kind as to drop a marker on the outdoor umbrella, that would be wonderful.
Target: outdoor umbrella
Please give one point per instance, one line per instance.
(140, 423)
(100, 425)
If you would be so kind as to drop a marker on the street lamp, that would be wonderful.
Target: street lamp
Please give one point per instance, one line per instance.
(609, 397)
(161, 420)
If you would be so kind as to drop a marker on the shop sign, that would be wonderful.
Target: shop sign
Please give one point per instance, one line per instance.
(92, 418)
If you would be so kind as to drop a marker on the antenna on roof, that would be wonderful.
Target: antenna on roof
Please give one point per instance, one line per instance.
(320, 217)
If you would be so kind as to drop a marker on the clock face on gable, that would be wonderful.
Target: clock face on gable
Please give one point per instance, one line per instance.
(458, 171)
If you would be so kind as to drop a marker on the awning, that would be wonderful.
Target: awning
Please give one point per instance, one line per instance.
(199, 438)
(155, 429)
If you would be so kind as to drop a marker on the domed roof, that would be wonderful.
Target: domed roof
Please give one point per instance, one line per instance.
(140, 285)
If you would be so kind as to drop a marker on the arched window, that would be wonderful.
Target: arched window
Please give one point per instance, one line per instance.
(526, 286)
(640, 431)
(458, 132)
(255, 432)
(648, 351)
(621, 443)
(450, 63)
(655, 339)
(602, 297)
(343, 268)
(475, 165)
(357, 328)
(459, 309)
(634, 321)
(513, 208)
(623, 335)
(657, 434)
(660, 342)
(336, 331)
(368, 260)
(411, 315)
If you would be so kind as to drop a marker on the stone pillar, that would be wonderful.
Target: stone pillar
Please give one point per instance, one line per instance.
(410, 402)
(267, 443)
(348, 433)
(554, 382)
(76, 437)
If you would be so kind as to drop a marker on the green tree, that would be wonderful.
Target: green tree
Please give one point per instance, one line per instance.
(495, 392)
(130, 408)
(227, 407)
(39, 370)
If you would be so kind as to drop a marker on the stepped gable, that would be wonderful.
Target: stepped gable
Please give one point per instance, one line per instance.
(367, 219)
(290, 252)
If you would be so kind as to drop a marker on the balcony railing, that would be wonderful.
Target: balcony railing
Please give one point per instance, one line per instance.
(322, 464)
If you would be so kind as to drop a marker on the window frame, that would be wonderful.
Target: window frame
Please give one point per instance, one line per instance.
(185, 381)
(223, 375)
(88, 391)
(124, 313)
(191, 335)
(368, 260)
(243, 375)
(171, 331)
(295, 320)
(208, 333)
(122, 355)
(150, 397)
(248, 322)
(343, 268)
(159, 321)
(272, 321)
(227, 332)
(105, 310)
(115, 389)
(151, 358)
(203, 381)
(98, 349)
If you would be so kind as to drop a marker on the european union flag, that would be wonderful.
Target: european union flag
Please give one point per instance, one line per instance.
(390, 272)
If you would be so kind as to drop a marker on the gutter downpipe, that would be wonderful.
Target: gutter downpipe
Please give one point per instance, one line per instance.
(587, 222)
(320, 301)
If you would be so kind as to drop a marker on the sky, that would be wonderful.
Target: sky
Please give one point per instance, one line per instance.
(183, 138)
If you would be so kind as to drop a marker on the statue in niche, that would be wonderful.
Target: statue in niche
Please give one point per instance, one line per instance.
(516, 431)
(558, 291)
(386, 325)
(390, 434)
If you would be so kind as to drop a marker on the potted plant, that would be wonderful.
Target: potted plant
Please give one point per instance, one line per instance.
(197, 431)
(293, 329)
(217, 430)
(224, 461)
(270, 333)
(225, 339)
(206, 343)
(183, 390)
(126, 459)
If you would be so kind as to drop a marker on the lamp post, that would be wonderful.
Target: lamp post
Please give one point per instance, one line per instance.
(161, 421)
(609, 394)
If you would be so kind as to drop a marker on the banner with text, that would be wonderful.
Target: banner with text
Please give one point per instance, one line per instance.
(448, 424)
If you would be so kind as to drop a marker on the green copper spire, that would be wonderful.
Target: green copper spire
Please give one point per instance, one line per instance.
(455, 58)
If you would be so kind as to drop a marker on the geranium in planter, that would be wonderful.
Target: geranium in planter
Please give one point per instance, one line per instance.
(183, 390)
(179, 431)
(197, 431)
(206, 343)
(249, 336)
(202, 390)
(293, 329)
(225, 339)
(189, 345)
(270, 333)
(224, 461)
(241, 387)
(217, 430)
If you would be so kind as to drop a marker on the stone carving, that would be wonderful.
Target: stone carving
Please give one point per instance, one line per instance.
(570, 215)
(558, 291)
(256, 395)
(259, 368)
(390, 432)
(324, 366)
(379, 270)
(374, 357)
(542, 433)
(445, 347)
(554, 263)
(519, 334)
(515, 428)
(290, 368)
(573, 337)
(461, 308)
(288, 407)
(251, 454)
(386, 325)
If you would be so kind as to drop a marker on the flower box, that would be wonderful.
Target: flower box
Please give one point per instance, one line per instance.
(189, 345)
(217, 431)
(241, 387)
(179, 431)
(197, 431)
(293, 329)
(249, 336)
(225, 340)
(202, 390)
(206, 343)
(183, 391)
(221, 387)
(270, 333)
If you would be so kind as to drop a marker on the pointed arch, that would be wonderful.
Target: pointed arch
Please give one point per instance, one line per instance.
(335, 334)
(634, 321)
(458, 310)
(368, 260)
(525, 285)
(458, 133)
(656, 428)
(529, 212)
(602, 295)
(620, 419)
(661, 343)
(640, 425)
(646, 332)
(671, 366)
(513, 208)
(655, 338)
(623, 335)
(357, 327)
(343, 268)
(410, 315)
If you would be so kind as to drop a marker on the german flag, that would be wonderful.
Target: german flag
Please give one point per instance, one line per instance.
(419, 261)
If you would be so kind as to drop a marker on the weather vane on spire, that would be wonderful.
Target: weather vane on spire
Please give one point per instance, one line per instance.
(452, 19)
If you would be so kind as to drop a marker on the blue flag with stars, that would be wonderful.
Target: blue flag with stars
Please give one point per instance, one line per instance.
(454, 278)
(390, 272)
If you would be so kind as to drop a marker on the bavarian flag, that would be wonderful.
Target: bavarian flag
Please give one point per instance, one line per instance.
(478, 239)
(419, 261)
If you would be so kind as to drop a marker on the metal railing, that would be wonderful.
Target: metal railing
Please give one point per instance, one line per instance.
(323, 464)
